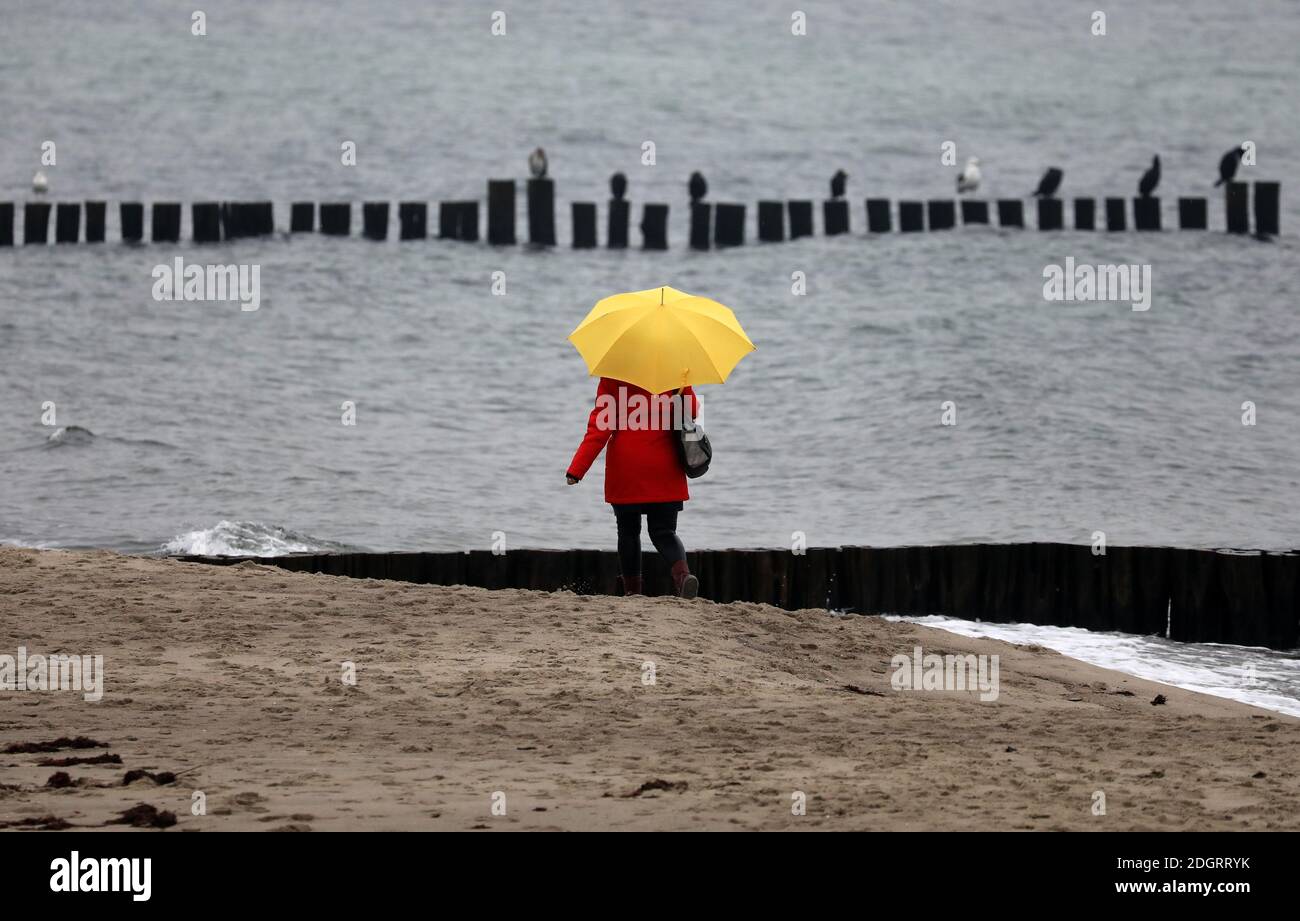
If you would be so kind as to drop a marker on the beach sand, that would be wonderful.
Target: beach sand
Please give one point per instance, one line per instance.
(234, 675)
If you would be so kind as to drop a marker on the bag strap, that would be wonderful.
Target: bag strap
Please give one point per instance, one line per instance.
(686, 417)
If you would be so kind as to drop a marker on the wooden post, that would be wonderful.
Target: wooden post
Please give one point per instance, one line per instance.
(336, 218)
(1236, 202)
(36, 222)
(1282, 576)
(1120, 600)
(448, 220)
(247, 219)
(701, 218)
(801, 219)
(1085, 214)
(1244, 610)
(729, 225)
(771, 222)
(1267, 205)
(654, 227)
(501, 212)
(835, 216)
(374, 220)
(616, 228)
(131, 218)
(1192, 214)
(941, 214)
(166, 222)
(302, 217)
(458, 220)
(1115, 214)
(584, 224)
(974, 212)
(6, 223)
(541, 212)
(878, 215)
(95, 221)
(232, 220)
(467, 223)
(1011, 212)
(413, 220)
(1051, 214)
(911, 216)
(206, 218)
(1193, 596)
(67, 222)
(235, 221)
(1146, 213)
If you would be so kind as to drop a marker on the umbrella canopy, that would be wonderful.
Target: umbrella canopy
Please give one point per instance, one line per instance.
(661, 339)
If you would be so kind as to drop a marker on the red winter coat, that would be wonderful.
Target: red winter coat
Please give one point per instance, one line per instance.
(641, 464)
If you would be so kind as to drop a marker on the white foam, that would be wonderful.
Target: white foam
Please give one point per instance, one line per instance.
(245, 538)
(1265, 678)
(28, 544)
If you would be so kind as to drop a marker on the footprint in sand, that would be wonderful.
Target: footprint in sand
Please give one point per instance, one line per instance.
(248, 799)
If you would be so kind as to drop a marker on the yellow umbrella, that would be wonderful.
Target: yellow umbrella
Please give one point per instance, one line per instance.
(661, 339)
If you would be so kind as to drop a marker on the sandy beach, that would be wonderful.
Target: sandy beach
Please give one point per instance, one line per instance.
(542, 706)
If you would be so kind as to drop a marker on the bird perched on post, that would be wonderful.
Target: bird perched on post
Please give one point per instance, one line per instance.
(698, 187)
(618, 185)
(1150, 179)
(40, 185)
(837, 183)
(537, 163)
(1228, 165)
(1050, 182)
(968, 180)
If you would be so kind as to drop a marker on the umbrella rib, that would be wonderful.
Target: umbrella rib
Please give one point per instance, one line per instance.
(707, 357)
(738, 335)
(736, 331)
(627, 330)
(612, 340)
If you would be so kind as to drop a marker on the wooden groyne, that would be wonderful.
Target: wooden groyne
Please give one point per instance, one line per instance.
(713, 225)
(1247, 598)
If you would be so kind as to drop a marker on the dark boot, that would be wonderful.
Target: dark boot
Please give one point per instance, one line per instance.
(685, 584)
(631, 585)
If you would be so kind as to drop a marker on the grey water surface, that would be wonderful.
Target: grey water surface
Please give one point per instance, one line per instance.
(216, 429)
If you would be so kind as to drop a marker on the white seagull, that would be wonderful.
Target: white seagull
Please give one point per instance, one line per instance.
(969, 180)
(40, 185)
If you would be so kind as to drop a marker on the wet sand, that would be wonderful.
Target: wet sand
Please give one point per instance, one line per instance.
(465, 699)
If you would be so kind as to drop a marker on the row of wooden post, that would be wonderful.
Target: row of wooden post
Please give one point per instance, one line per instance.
(1207, 596)
(712, 224)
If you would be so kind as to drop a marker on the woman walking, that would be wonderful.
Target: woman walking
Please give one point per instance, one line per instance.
(647, 347)
(643, 475)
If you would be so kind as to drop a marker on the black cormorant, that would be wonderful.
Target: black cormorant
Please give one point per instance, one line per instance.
(1150, 179)
(1050, 182)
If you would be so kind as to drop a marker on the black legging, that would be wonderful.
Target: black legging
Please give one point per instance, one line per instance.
(662, 525)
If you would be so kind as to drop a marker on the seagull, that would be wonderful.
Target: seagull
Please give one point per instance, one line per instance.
(837, 183)
(1150, 179)
(618, 185)
(1050, 182)
(40, 185)
(698, 187)
(969, 178)
(1228, 165)
(537, 163)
